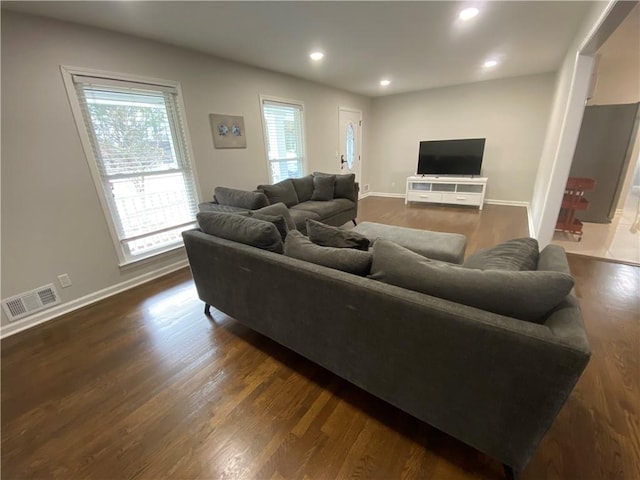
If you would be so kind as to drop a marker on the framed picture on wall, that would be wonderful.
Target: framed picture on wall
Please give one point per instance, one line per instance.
(228, 131)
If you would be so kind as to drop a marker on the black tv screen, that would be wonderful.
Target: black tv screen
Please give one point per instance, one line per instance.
(451, 157)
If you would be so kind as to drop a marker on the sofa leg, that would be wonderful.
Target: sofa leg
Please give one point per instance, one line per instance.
(509, 472)
(207, 312)
(354, 222)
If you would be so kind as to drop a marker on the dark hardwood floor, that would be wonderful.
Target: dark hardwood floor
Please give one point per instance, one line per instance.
(143, 385)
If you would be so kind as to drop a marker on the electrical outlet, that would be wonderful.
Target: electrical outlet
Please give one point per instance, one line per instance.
(64, 280)
(393, 184)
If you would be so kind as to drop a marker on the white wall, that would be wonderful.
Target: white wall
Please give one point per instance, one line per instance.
(618, 69)
(510, 113)
(52, 222)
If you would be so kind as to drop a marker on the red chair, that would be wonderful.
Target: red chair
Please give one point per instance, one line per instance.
(573, 201)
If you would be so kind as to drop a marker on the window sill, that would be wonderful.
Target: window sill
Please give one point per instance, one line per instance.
(151, 257)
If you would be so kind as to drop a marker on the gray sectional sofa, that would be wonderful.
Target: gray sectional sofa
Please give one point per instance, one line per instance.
(328, 198)
(491, 380)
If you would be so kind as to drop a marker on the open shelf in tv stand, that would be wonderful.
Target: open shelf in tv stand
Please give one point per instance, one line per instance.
(445, 189)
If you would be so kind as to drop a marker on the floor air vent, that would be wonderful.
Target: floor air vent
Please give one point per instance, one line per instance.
(30, 302)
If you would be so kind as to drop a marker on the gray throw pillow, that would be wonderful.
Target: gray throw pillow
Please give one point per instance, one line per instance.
(281, 192)
(328, 236)
(241, 229)
(277, 220)
(346, 259)
(345, 185)
(278, 209)
(240, 198)
(518, 254)
(303, 187)
(323, 188)
(527, 295)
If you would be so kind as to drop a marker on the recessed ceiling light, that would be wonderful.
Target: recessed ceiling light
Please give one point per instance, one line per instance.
(384, 83)
(490, 63)
(316, 56)
(468, 13)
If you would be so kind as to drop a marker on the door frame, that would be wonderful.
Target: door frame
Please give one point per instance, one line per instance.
(359, 165)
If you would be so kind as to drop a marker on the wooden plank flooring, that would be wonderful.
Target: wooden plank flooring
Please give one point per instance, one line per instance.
(143, 385)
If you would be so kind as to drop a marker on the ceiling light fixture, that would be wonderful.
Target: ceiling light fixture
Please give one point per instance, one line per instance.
(468, 13)
(316, 56)
(384, 83)
(490, 63)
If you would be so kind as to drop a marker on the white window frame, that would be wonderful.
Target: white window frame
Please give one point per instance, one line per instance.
(265, 133)
(68, 72)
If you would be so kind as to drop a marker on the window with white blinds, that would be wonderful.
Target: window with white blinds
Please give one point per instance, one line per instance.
(141, 162)
(284, 138)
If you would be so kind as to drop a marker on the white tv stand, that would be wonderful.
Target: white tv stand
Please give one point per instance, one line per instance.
(444, 189)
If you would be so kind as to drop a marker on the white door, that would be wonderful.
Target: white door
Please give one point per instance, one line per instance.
(350, 122)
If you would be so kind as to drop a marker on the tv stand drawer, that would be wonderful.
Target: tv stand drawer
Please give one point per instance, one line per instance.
(424, 196)
(462, 198)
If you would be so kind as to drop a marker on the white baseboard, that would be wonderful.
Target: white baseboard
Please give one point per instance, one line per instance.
(387, 195)
(532, 227)
(364, 195)
(69, 307)
(508, 203)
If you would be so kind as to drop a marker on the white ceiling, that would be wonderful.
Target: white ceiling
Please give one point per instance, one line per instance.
(417, 45)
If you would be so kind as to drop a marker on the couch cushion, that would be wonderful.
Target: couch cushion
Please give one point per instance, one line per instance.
(215, 207)
(448, 247)
(280, 192)
(241, 229)
(346, 259)
(345, 185)
(300, 218)
(328, 236)
(515, 255)
(303, 187)
(326, 209)
(240, 198)
(527, 295)
(278, 209)
(323, 188)
(277, 220)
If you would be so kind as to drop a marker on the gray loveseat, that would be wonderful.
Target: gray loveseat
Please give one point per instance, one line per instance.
(327, 198)
(490, 380)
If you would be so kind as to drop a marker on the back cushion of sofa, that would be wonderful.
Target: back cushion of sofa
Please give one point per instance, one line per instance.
(216, 207)
(303, 187)
(277, 220)
(241, 229)
(346, 259)
(344, 185)
(518, 254)
(323, 188)
(281, 192)
(527, 295)
(240, 198)
(278, 209)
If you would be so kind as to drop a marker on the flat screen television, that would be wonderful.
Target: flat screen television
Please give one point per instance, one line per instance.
(451, 157)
